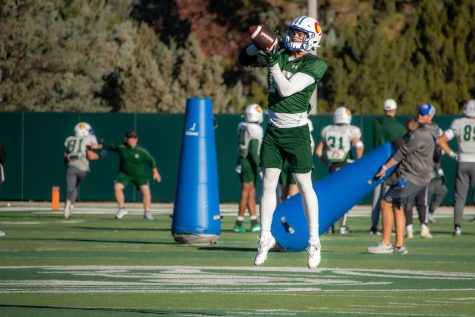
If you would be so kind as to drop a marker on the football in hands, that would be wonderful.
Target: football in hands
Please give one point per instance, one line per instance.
(263, 38)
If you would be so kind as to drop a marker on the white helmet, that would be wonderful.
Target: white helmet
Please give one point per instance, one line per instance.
(83, 129)
(469, 108)
(312, 30)
(342, 115)
(253, 113)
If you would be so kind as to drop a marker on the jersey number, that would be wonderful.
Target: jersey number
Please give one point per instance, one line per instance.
(468, 133)
(332, 140)
(74, 149)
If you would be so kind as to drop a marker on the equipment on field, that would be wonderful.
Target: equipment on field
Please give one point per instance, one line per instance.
(196, 215)
(263, 38)
(55, 198)
(289, 226)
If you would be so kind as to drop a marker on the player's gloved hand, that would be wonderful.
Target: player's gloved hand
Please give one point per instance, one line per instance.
(270, 57)
(238, 169)
(454, 155)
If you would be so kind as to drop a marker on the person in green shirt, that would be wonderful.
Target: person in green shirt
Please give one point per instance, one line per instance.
(385, 129)
(133, 159)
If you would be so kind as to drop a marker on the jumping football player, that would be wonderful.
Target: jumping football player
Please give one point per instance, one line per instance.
(293, 75)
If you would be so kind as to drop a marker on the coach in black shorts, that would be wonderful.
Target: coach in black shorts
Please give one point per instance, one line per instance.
(416, 163)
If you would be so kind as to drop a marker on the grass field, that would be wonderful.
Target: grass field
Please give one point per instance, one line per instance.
(94, 265)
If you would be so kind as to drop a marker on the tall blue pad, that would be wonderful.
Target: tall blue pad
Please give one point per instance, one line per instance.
(196, 216)
(337, 193)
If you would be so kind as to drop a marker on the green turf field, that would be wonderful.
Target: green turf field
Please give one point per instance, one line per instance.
(94, 265)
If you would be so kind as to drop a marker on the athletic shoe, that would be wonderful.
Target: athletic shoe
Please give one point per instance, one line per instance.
(120, 213)
(256, 228)
(409, 232)
(67, 209)
(432, 219)
(376, 232)
(400, 250)
(314, 256)
(425, 232)
(458, 231)
(2, 234)
(148, 215)
(239, 229)
(381, 248)
(264, 246)
(344, 230)
(331, 230)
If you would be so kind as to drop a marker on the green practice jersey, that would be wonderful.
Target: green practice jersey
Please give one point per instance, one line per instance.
(299, 102)
(132, 160)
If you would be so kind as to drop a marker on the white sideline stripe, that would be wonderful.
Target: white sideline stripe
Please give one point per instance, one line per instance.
(357, 211)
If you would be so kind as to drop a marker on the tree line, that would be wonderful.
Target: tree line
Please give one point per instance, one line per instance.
(149, 56)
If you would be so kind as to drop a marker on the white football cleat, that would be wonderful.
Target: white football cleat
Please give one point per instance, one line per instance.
(425, 232)
(148, 215)
(67, 209)
(120, 213)
(264, 246)
(314, 256)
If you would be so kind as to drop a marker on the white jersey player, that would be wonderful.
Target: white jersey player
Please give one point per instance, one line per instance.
(77, 155)
(335, 147)
(463, 129)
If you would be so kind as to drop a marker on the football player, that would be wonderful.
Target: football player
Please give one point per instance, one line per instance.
(293, 75)
(250, 135)
(77, 155)
(463, 129)
(335, 147)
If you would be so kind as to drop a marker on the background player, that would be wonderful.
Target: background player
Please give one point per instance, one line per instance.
(463, 129)
(335, 146)
(250, 135)
(293, 76)
(77, 155)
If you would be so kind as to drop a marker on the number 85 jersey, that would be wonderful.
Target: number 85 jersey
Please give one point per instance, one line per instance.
(464, 130)
(337, 139)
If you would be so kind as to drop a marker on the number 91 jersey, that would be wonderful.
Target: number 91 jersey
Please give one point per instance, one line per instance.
(337, 140)
(76, 150)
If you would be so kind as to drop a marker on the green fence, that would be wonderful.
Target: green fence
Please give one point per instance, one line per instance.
(34, 145)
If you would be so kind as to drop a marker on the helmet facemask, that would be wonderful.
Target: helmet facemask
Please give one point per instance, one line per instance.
(310, 28)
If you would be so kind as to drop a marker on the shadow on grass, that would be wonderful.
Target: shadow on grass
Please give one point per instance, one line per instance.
(97, 311)
(95, 240)
(232, 249)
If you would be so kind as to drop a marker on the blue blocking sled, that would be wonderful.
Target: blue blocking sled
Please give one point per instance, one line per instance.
(196, 216)
(337, 193)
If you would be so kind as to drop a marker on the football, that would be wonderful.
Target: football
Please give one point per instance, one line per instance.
(262, 37)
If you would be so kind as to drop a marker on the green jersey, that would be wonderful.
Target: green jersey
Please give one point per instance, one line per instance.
(132, 160)
(299, 102)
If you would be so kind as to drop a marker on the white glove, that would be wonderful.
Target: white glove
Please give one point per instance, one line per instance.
(238, 169)
(454, 155)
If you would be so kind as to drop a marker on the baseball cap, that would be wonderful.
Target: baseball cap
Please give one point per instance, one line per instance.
(426, 109)
(131, 134)
(390, 104)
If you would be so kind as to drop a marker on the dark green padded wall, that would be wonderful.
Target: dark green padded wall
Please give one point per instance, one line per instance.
(34, 144)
